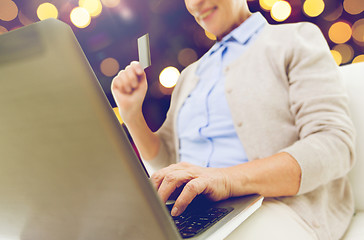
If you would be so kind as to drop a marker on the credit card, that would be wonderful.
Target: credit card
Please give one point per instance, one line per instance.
(144, 51)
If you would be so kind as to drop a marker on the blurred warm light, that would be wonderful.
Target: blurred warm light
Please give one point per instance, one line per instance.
(126, 13)
(337, 57)
(359, 58)
(93, 7)
(200, 39)
(340, 32)
(14, 28)
(47, 10)
(110, 3)
(281, 10)
(80, 17)
(210, 35)
(169, 77)
(117, 113)
(187, 56)
(334, 15)
(358, 30)
(3, 30)
(354, 6)
(155, 89)
(346, 52)
(24, 19)
(267, 4)
(313, 8)
(8, 10)
(109, 67)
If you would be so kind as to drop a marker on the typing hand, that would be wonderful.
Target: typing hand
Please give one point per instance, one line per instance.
(212, 182)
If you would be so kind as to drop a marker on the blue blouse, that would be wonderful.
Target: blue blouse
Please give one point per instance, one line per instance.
(205, 128)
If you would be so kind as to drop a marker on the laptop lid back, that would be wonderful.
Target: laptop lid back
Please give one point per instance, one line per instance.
(67, 169)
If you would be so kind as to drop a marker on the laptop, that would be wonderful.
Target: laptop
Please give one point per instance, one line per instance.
(68, 170)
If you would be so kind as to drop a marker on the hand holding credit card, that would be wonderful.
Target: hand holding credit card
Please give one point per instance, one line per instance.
(129, 86)
(144, 51)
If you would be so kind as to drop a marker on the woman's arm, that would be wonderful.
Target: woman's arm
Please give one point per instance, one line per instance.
(319, 103)
(129, 88)
(278, 175)
(274, 176)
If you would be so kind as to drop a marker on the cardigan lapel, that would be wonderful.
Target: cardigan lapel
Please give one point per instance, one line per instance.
(187, 86)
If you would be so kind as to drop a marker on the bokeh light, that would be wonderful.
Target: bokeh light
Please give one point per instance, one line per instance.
(93, 7)
(340, 32)
(117, 113)
(8, 10)
(3, 30)
(200, 39)
(14, 28)
(47, 10)
(187, 56)
(354, 6)
(313, 8)
(281, 10)
(337, 56)
(109, 67)
(346, 52)
(267, 4)
(24, 19)
(110, 3)
(126, 13)
(80, 17)
(358, 30)
(210, 35)
(334, 14)
(359, 58)
(169, 76)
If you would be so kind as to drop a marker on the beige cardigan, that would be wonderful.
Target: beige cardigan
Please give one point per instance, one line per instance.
(286, 95)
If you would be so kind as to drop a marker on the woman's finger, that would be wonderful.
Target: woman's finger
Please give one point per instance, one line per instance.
(171, 182)
(159, 175)
(192, 189)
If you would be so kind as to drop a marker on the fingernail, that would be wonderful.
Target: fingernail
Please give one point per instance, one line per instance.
(174, 211)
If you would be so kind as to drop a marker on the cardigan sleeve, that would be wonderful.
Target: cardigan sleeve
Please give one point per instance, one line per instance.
(318, 102)
(167, 153)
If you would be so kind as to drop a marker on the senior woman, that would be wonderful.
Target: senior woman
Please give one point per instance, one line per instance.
(263, 111)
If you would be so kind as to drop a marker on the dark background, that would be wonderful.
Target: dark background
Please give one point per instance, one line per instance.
(171, 29)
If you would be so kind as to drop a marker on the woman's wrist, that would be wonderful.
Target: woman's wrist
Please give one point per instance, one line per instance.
(274, 176)
(237, 181)
(145, 140)
(133, 120)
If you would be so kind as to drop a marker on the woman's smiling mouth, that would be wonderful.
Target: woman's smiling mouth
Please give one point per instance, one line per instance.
(206, 13)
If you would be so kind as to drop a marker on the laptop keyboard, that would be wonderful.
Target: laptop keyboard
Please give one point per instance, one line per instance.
(196, 220)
